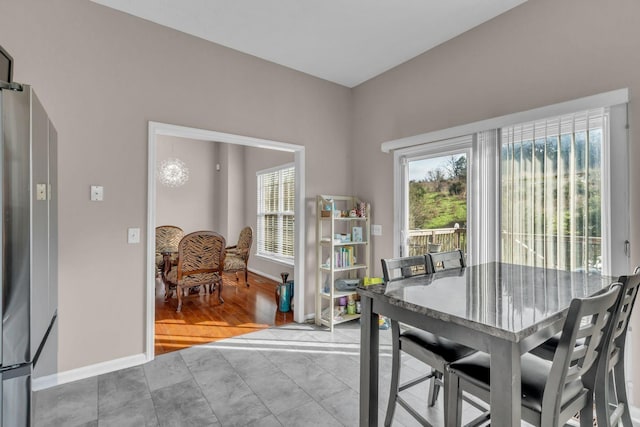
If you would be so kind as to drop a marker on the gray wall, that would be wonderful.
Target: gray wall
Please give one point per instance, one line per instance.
(102, 75)
(540, 53)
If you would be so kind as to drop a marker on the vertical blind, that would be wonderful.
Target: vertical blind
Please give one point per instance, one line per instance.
(276, 200)
(551, 191)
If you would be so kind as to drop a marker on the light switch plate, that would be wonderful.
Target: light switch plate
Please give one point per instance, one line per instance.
(376, 230)
(133, 235)
(97, 193)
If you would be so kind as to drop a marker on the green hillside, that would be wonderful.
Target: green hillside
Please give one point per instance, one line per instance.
(437, 205)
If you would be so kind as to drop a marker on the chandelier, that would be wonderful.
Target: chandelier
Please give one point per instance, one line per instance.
(173, 172)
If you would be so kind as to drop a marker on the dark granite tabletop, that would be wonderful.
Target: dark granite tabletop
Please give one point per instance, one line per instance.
(503, 300)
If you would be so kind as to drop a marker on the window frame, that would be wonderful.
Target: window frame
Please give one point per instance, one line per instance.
(280, 214)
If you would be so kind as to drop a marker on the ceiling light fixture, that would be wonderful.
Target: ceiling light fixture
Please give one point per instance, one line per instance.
(173, 172)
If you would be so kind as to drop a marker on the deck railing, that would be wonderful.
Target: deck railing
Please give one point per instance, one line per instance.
(561, 252)
(437, 240)
(565, 252)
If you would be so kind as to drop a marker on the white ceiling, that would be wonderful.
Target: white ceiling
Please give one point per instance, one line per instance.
(343, 41)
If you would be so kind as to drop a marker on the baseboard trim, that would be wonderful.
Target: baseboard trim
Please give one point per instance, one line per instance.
(268, 276)
(53, 380)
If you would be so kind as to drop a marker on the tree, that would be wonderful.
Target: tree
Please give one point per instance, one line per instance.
(457, 167)
(437, 177)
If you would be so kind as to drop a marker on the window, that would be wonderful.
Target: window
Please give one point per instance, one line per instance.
(434, 214)
(551, 210)
(276, 201)
(546, 187)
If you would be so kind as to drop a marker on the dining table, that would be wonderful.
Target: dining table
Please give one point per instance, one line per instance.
(502, 309)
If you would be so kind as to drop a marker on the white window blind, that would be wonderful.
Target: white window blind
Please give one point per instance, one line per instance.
(276, 200)
(551, 178)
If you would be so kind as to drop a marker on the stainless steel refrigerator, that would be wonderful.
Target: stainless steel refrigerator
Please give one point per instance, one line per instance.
(28, 257)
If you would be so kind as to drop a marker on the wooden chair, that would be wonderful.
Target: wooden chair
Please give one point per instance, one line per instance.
(167, 240)
(552, 392)
(430, 349)
(612, 404)
(237, 258)
(446, 260)
(200, 262)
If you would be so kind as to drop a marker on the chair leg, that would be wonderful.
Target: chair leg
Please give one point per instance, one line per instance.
(246, 277)
(179, 292)
(395, 373)
(586, 413)
(220, 290)
(166, 292)
(434, 387)
(452, 400)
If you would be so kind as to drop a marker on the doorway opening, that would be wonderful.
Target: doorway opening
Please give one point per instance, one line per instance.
(158, 131)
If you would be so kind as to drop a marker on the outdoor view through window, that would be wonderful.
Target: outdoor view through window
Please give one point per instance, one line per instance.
(437, 204)
(550, 195)
(551, 192)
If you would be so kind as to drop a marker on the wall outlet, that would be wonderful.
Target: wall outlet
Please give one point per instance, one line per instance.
(376, 230)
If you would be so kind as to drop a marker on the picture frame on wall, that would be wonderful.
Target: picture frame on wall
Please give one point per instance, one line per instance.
(356, 234)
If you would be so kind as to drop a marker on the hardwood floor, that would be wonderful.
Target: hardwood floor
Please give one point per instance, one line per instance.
(203, 319)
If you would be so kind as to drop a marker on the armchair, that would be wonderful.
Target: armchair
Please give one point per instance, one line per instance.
(200, 261)
(237, 256)
(167, 240)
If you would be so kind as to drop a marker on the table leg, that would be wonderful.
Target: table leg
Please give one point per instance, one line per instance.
(369, 346)
(505, 384)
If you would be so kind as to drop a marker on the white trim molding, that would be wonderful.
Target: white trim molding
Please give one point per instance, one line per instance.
(157, 128)
(53, 380)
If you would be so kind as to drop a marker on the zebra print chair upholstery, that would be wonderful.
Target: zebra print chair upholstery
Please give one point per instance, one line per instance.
(167, 240)
(200, 262)
(237, 258)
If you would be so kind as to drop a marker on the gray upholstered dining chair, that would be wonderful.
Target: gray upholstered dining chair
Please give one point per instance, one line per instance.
(552, 392)
(435, 351)
(446, 260)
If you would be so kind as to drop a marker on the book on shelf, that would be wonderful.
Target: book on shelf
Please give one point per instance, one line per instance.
(356, 234)
(344, 257)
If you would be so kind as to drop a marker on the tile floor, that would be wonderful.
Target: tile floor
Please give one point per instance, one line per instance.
(292, 375)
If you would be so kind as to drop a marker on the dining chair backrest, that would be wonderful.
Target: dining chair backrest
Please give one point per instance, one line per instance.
(612, 404)
(404, 267)
(245, 239)
(201, 252)
(589, 318)
(630, 286)
(439, 261)
(168, 237)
